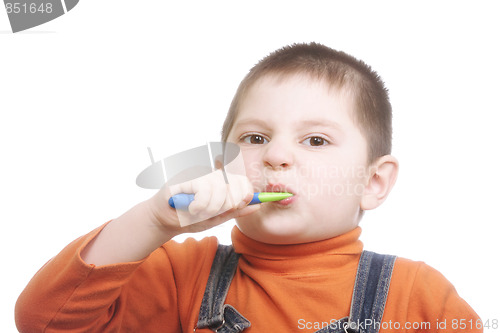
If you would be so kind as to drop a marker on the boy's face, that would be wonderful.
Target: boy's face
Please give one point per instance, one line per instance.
(297, 135)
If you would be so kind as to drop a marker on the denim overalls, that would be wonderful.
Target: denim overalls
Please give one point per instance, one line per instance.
(367, 306)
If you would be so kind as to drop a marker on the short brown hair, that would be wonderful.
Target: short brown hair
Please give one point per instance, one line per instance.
(373, 109)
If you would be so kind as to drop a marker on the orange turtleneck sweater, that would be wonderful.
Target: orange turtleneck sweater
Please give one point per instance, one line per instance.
(286, 288)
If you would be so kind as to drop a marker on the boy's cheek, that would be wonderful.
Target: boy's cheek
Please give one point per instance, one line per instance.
(330, 190)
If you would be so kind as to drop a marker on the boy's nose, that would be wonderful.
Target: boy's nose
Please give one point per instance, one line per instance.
(278, 156)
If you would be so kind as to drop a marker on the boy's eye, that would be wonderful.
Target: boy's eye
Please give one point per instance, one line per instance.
(255, 139)
(315, 141)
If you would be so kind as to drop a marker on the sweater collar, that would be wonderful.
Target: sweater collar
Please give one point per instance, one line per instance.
(347, 243)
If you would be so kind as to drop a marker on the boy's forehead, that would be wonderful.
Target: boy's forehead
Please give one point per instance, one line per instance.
(298, 92)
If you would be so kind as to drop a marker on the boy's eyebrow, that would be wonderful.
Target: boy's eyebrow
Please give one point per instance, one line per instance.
(322, 123)
(250, 121)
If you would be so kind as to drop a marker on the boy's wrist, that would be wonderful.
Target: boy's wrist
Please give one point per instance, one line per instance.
(128, 238)
(163, 220)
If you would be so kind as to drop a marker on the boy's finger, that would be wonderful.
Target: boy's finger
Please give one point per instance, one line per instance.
(201, 199)
(240, 192)
(246, 211)
(217, 203)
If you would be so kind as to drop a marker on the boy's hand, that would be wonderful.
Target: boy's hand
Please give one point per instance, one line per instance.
(142, 229)
(215, 202)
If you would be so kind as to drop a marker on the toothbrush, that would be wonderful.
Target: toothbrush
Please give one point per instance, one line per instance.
(182, 200)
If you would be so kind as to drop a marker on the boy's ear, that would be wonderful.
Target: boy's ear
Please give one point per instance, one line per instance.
(382, 176)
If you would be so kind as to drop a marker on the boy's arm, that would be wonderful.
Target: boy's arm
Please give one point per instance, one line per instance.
(94, 271)
(68, 294)
(128, 238)
(148, 225)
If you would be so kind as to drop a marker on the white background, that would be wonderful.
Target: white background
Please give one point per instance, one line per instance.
(83, 96)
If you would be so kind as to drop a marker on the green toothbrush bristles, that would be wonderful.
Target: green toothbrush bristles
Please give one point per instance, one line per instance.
(273, 196)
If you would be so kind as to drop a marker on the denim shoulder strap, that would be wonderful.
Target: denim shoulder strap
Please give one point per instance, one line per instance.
(370, 292)
(368, 299)
(214, 314)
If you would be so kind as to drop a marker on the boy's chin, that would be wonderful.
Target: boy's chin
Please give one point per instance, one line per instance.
(276, 232)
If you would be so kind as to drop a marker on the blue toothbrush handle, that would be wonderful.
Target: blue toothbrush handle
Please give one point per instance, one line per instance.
(182, 200)
(255, 199)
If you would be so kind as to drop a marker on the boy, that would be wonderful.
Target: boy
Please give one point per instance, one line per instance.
(310, 121)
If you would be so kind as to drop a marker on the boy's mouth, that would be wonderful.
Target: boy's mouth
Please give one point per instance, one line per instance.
(282, 188)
